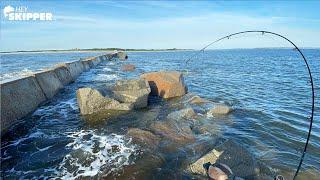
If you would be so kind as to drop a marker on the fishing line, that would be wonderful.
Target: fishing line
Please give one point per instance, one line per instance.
(306, 65)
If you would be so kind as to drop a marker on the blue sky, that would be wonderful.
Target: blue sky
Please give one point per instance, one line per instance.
(161, 24)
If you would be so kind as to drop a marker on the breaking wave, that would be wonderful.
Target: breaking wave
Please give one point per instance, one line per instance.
(92, 153)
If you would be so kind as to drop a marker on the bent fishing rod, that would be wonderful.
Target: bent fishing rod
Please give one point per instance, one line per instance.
(310, 80)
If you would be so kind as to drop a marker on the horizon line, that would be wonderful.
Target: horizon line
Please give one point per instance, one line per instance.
(143, 49)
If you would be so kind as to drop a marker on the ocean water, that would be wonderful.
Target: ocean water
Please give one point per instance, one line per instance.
(23, 64)
(268, 89)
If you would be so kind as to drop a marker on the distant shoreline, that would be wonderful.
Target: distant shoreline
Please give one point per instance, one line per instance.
(134, 50)
(93, 50)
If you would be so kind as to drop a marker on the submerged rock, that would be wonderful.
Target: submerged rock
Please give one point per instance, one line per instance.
(241, 162)
(144, 138)
(197, 100)
(145, 167)
(166, 84)
(128, 67)
(219, 109)
(91, 101)
(135, 91)
(183, 113)
(239, 159)
(198, 166)
(179, 133)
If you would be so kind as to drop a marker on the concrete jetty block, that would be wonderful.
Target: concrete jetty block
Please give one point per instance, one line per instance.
(18, 98)
(49, 83)
(75, 68)
(109, 56)
(122, 55)
(93, 60)
(102, 58)
(96, 60)
(63, 74)
(87, 64)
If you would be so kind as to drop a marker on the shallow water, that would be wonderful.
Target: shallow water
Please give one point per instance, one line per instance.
(268, 88)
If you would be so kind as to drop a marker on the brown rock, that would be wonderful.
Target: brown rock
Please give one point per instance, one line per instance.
(143, 138)
(166, 84)
(216, 173)
(128, 67)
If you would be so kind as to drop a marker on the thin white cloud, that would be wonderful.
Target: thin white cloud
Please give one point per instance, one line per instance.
(179, 32)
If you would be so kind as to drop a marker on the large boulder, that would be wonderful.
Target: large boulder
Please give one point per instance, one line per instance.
(91, 101)
(166, 84)
(144, 138)
(135, 91)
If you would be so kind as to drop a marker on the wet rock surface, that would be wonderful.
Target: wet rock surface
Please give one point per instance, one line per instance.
(166, 84)
(198, 166)
(144, 138)
(170, 129)
(144, 167)
(219, 109)
(197, 100)
(186, 113)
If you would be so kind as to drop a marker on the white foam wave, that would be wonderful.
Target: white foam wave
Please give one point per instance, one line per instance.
(107, 69)
(60, 108)
(15, 74)
(106, 77)
(91, 153)
(36, 134)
